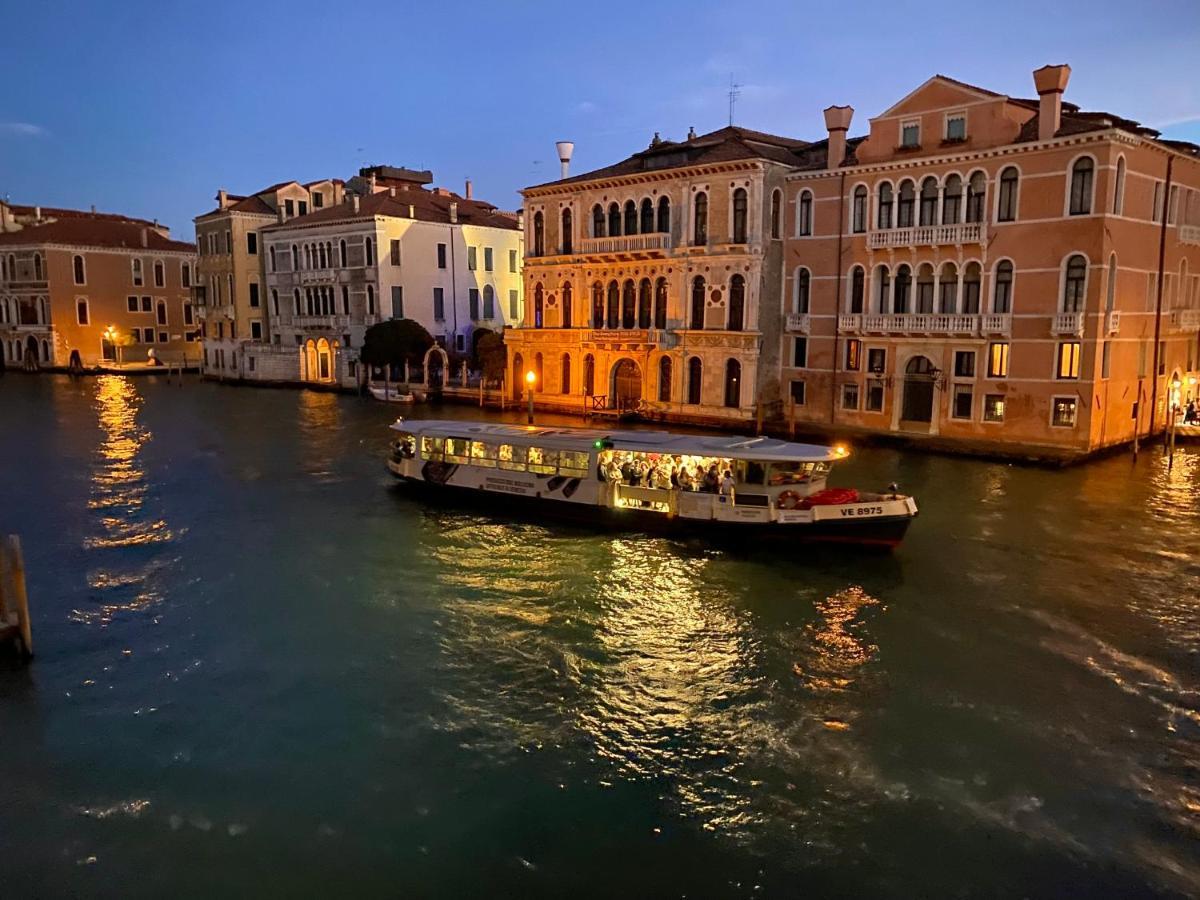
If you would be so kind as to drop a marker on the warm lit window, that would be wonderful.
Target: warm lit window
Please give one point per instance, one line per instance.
(1064, 412)
(1068, 360)
(993, 407)
(998, 360)
(853, 354)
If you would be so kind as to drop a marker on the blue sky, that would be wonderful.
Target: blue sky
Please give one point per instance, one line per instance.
(149, 108)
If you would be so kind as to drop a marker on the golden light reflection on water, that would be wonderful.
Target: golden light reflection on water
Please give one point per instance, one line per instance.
(117, 500)
(321, 433)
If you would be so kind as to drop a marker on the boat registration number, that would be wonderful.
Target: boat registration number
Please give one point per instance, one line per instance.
(863, 511)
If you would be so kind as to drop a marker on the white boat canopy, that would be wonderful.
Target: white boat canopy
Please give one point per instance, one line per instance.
(564, 438)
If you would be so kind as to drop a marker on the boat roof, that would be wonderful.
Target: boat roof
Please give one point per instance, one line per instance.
(763, 449)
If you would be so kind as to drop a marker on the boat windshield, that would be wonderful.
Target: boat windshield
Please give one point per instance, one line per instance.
(796, 472)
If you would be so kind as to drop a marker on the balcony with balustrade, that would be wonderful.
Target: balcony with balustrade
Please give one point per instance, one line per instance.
(1184, 320)
(630, 246)
(928, 236)
(321, 323)
(1189, 234)
(921, 324)
(799, 322)
(1067, 323)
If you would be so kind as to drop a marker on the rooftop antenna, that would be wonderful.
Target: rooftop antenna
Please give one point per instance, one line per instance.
(734, 93)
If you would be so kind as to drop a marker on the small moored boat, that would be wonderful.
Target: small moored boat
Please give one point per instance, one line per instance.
(391, 395)
(648, 480)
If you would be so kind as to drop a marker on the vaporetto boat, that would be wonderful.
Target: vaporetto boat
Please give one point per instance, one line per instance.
(648, 480)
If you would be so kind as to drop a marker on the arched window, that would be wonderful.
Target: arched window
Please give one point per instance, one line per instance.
(1006, 209)
(589, 375)
(345, 300)
(1119, 188)
(324, 257)
(739, 216)
(628, 305)
(631, 217)
(1075, 284)
(161, 313)
(136, 265)
(858, 210)
(597, 221)
(77, 266)
(342, 252)
(664, 214)
(924, 303)
(695, 372)
(1002, 294)
(884, 217)
(274, 302)
(700, 223)
(565, 375)
(929, 199)
(489, 303)
(539, 305)
(614, 304)
(1081, 186)
(296, 300)
(883, 282)
(664, 379)
(539, 234)
(802, 290)
(952, 200)
(271, 253)
(368, 252)
(733, 384)
(904, 207)
(307, 256)
(858, 285)
(698, 297)
(370, 300)
(568, 242)
(903, 293)
(776, 213)
(568, 301)
(644, 311)
(37, 267)
(804, 213)
(976, 195)
(660, 303)
(518, 373)
(972, 284)
(614, 220)
(539, 373)
(647, 224)
(597, 305)
(295, 258)
(948, 288)
(737, 303)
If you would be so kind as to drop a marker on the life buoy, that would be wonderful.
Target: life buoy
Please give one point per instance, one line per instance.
(788, 500)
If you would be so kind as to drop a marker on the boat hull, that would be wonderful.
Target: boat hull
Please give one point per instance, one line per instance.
(883, 532)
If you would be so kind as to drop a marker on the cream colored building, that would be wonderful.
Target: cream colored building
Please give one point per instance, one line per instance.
(230, 288)
(654, 284)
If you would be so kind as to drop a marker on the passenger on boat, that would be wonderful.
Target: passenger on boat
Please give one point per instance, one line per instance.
(727, 484)
(685, 480)
(712, 480)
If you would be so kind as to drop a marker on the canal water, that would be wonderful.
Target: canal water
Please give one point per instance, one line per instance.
(263, 670)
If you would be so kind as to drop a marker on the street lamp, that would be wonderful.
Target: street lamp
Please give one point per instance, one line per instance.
(111, 334)
(530, 378)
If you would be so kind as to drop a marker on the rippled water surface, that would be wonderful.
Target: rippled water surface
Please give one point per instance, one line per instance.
(262, 667)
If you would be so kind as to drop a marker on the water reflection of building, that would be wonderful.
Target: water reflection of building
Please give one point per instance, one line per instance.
(85, 288)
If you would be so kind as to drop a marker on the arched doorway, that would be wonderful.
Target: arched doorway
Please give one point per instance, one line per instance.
(518, 376)
(324, 361)
(75, 363)
(627, 384)
(733, 384)
(31, 352)
(437, 367)
(918, 391)
(308, 361)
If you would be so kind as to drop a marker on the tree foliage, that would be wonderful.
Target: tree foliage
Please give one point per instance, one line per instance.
(490, 355)
(395, 342)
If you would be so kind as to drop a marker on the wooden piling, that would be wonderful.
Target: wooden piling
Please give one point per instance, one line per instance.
(14, 601)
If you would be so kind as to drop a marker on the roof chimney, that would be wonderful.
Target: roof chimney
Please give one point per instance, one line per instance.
(222, 199)
(37, 214)
(1050, 82)
(837, 122)
(412, 211)
(467, 190)
(565, 149)
(453, 212)
(371, 182)
(281, 214)
(145, 236)
(93, 209)
(354, 202)
(392, 191)
(691, 132)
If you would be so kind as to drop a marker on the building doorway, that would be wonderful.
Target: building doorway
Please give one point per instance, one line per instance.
(627, 385)
(917, 406)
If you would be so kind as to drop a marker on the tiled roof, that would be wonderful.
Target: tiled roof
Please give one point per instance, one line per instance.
(723, 145)
(1074, 121)
(53, 212)
(427, 206)
(96, 231)
(816, 155)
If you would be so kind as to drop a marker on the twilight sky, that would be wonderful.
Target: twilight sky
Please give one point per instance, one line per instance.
(148, 108)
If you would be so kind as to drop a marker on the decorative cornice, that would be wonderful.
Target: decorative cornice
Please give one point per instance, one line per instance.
(652, 176)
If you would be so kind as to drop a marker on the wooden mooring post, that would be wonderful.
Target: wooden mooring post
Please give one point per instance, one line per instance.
(14, 602)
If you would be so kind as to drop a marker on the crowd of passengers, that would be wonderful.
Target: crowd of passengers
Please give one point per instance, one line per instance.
(665, 472)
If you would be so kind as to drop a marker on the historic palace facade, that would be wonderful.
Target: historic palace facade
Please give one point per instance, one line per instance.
(81, 289)
(993, 271)
(654, 284)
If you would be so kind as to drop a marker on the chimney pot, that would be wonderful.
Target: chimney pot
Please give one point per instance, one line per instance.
(467, 193)
(837, 122)
(453, 212)
(93, 209)
(222, 198)
(392, 191)
(1050, 82)
(354, 202)
(565, 151)
(691, 132)
(37, 213)
(145, 237)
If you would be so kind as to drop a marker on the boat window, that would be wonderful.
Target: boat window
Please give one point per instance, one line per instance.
(483, 454)
(573, 462)
(790, 472)
(458, 450)
(511, 457)
(432, 447)
(543, 461)
(751, 472)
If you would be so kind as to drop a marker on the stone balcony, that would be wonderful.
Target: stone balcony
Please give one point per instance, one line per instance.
(799, 322)
(924, 323)
(927, 236)
(631, 246)
(1184, 320)
(321, 323)
(1189, 234)
(1068, 323)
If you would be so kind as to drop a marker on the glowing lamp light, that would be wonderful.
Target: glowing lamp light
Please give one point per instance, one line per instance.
(840, 450)
(530, 378)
